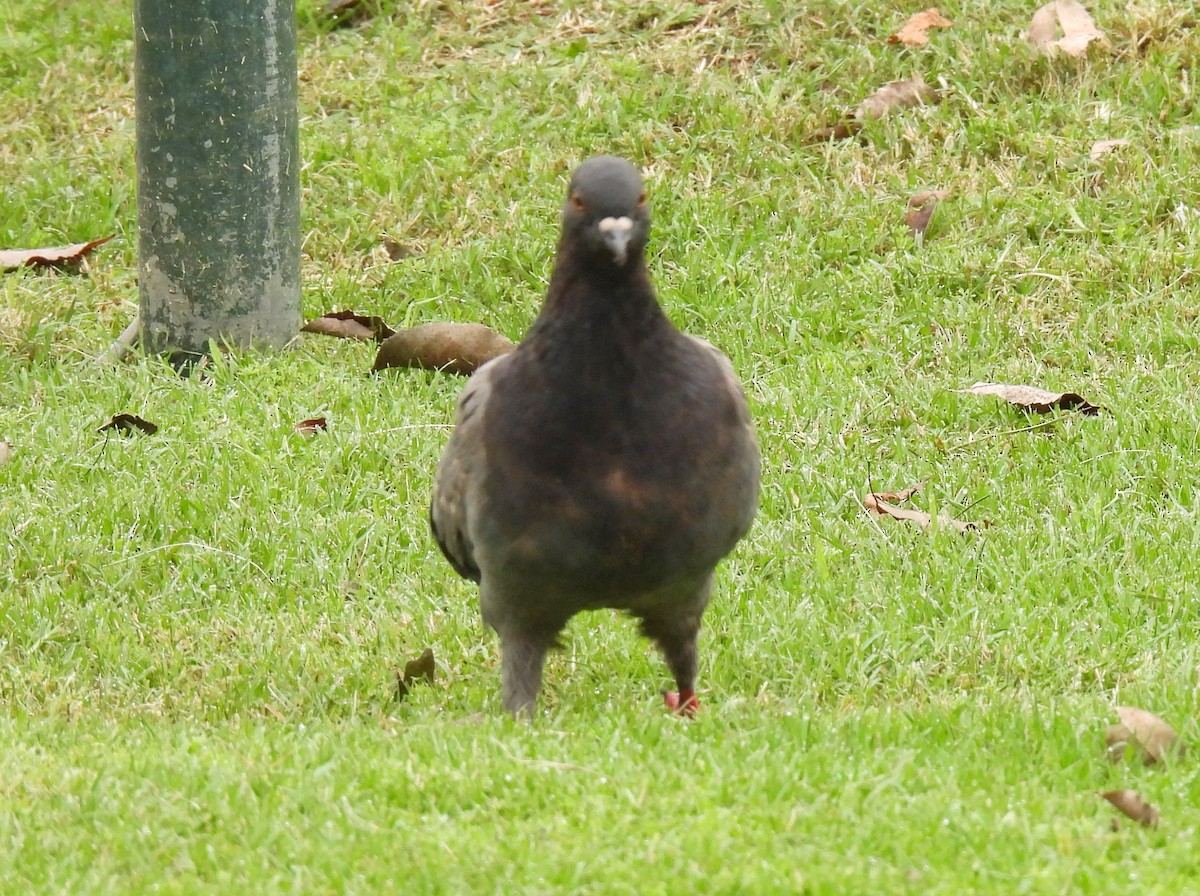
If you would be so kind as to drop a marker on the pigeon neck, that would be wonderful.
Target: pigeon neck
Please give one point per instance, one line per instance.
(604, 300)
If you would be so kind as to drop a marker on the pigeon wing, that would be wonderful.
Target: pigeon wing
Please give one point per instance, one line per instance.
(461, 462)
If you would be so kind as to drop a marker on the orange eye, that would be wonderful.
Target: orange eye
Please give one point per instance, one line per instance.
(642, 200)
(577, 202)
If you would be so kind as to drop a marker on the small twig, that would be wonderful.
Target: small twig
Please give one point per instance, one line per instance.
(123, 347)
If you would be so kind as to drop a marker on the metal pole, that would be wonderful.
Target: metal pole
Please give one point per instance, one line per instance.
(218, 170)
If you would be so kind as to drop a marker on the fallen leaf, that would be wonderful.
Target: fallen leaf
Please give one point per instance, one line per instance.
(1131, 804)
(5, 452)
(455, 348)
(1184, 215)
(839, 131)
(1031, 398)
(897, 95)
(344, 13)
(1144, 729)
(913, 34)
(1101, 148)
(128, 423)
(876, 504)
(349, 325)
(312, 426)
(901, 496)
(1043, 27)
(1117, 739)
(1078, 29)
(422, 668)
(11, 259)
(397, 250)
(887, 99)
(920, 209)
(390, 250)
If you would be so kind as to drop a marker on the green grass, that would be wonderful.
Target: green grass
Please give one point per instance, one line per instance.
(200, 629)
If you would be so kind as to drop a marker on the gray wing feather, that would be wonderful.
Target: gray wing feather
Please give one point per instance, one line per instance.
(730, 376)
(461, 461)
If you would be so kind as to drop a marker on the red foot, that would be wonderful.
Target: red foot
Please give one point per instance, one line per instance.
(684, 704)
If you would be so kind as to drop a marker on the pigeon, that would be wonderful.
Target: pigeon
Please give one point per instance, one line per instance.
(609, 461)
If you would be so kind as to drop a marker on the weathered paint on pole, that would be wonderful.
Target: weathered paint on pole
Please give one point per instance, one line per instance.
(218, 167)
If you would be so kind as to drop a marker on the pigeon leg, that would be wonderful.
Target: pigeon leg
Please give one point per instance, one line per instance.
(523, 655)
(677, 638)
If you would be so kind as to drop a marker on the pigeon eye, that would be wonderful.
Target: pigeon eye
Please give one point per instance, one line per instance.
(579, 204)
(641, 203)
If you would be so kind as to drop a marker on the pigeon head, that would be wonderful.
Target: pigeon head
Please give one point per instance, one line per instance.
(605, 214)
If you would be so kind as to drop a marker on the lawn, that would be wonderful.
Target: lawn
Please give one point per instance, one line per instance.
(200, 629)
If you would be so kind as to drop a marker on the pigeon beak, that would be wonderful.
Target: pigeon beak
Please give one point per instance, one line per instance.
(616, 233)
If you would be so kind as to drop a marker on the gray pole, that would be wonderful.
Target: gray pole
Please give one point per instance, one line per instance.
(218, 172)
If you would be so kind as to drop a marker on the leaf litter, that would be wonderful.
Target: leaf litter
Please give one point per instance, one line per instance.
(312, 426)
(889, 98)
(901, 496)
(921, 207)
(1133, 805)
(126, 424)
(423, 668)
(1032, 398)
(1078, 29)
(885, 504)
(349, 325)
(451, 347)
(1101, 148)
(915, 32)
(897, 95)
(56, 257)
(1147, 734)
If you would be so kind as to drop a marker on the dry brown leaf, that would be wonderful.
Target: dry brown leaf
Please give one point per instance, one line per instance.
(1101, 148)
(396, 250)
(1133, 805)
(887, 99)
(897, 95)
(349, 325)
(1144, 729)
(901, 496)
(875, 503)
(344, 13)
(1078, 29)
(920, 209)
(11, 259)
(455, 348)
(913, 34)
(1117, 739)
(1043, 27)
(312, 426)
(129, 423)
(1031, 398)
(423, 668)
(839, 131)
(5, 452)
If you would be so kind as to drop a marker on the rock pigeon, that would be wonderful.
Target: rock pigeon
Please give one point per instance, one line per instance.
(609, 461)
